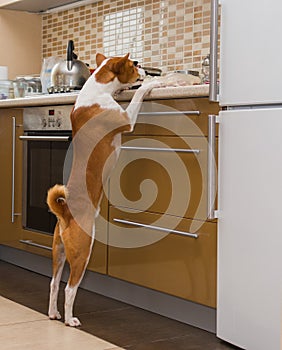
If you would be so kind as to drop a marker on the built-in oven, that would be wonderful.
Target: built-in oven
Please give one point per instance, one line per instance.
(47, 161)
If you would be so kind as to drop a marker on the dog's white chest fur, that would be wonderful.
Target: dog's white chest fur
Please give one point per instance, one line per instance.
(98, 93)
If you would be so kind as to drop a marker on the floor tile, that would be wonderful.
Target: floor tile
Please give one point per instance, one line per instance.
(48, 334)
(12, 313)
(131, 326)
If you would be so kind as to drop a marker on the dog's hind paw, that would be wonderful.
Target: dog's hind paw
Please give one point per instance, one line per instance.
(55, 316)
(73, 322)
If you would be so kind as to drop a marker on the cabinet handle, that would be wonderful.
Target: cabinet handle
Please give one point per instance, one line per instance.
(159, 149)
(13, 169)
(45, 138)
(156, 228)
(213, 51)
(171, 113)
(211, 167)
(33, 244)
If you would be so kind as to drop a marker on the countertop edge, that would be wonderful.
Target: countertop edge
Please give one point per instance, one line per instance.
(126, 95)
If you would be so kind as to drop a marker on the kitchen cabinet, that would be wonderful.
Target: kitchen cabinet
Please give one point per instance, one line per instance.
(10, 184)
(171, 178)
(183, 266)
(21, 42)
(12, 232)
(159, 186)
(39, 6)
(11, 157)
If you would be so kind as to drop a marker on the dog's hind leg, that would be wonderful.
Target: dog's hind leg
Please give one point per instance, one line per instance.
(78, 246)
(76, 275)
(59, 259)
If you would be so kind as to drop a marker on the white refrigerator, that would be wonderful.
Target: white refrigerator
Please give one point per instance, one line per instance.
(249, 304)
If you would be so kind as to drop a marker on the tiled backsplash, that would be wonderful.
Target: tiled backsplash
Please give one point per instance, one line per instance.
(158, 33)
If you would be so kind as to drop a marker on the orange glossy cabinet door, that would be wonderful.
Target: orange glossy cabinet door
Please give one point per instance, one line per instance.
(11, 176)
(184, 117)
(169, 254)
(162, 174)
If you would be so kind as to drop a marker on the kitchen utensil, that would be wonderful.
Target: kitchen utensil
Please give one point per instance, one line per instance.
(187, 71)
(154, 72)
(20, 88)
(206, 69)
(33, 84)
(70, 74)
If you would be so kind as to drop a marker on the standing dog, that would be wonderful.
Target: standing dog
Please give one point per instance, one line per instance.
(97, 124)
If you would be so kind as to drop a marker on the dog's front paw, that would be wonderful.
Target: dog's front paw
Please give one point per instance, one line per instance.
(154, 84)
(55, 315)
(73, 322)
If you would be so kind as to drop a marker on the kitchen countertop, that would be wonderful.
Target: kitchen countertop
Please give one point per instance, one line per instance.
(69, 98)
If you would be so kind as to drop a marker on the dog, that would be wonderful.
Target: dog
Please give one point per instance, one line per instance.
(97, 124)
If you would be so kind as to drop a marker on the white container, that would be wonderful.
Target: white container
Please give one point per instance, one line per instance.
(6, 89)
(3, 72)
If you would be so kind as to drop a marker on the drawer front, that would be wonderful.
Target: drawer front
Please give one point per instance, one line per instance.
(144, 250)
(162, 175)
(184, 117)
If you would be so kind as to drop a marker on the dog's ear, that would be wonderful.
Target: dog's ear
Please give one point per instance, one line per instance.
(120, 63)
(100, 58)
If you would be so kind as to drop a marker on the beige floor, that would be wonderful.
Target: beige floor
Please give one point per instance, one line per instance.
(22, 328)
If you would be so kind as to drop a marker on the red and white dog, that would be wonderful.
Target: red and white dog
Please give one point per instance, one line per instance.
(97, 124)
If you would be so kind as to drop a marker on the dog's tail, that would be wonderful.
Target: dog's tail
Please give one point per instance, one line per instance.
(56, 200)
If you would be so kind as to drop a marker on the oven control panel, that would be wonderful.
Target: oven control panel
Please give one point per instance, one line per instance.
(47, 118)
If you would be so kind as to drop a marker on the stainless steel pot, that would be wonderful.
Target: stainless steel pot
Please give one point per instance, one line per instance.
(70, 74)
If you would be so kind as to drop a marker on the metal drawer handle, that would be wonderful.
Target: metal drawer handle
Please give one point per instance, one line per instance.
(14, 125)
(171, 113)
(33, 244)
(45, 138)
(183, 150)
(156, 228)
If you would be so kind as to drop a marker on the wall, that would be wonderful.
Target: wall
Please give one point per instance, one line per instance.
(158, 33)
(20, 41)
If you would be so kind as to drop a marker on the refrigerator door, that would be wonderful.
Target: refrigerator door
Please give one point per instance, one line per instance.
(250, 228)
(250, 52)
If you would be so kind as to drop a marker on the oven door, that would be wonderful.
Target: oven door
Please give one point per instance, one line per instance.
(45, 164)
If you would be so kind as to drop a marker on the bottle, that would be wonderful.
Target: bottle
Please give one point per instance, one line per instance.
(206, 70)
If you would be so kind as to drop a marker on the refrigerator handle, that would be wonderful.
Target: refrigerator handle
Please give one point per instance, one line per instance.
(212, 178)
(213, 88)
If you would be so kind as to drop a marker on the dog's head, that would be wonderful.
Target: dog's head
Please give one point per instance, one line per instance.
(121, 68)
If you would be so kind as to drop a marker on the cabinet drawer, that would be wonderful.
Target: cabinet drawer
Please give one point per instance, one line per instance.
(175, 117)
(36, 243)
(162, 175)
(142, 251)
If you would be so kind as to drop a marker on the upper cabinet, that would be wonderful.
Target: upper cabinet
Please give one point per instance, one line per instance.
(21, 40)
(39, 5)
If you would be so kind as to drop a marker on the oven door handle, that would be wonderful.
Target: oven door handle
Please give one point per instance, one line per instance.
(46, 138)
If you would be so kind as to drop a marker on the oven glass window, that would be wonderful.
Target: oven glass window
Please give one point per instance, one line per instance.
(45, 168)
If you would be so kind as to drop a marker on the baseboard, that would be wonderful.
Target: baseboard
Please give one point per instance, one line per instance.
(163, 304)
